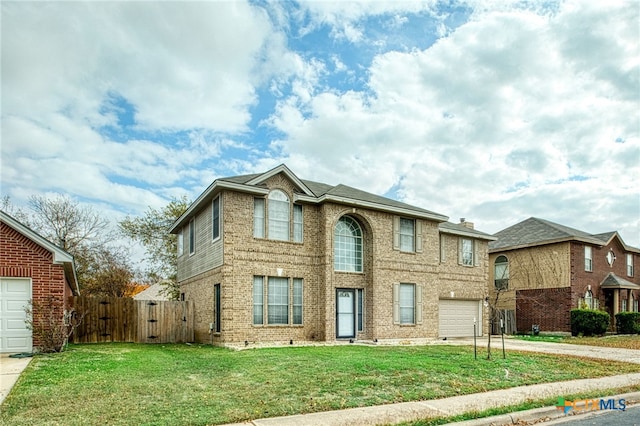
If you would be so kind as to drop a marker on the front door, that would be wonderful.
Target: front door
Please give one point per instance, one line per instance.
(345, 313)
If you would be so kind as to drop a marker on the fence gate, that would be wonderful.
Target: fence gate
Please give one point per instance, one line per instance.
(122, 319)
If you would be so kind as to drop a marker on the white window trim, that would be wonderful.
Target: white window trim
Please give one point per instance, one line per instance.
(630, 270)
(588, 259)
(474, 261)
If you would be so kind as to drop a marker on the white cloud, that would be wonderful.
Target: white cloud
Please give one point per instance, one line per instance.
(511, 99)
(182, 65)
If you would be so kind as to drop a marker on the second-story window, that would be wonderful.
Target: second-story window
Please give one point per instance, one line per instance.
(501, 273)
(192, 236)
(215, 222)
(588, 259)
(278, 215)
(180, 242)
(629, 264)
(466, 253)
(407, 235)
(273, 218)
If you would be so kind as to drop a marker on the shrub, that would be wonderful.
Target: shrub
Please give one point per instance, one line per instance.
(628, 322)
(51, 326)
(589, 322)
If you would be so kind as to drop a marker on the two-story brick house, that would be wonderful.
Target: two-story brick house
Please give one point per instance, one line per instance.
(540, 270)
(272, 258)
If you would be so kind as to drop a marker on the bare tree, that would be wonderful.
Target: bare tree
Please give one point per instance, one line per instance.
(101, 266)
(68, 224)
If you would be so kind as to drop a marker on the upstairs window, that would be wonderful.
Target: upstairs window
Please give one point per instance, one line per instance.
(297, 223)
(272, 218)
(347, 251)
(501, 273)
(588, 259)
(407, 235)
(466, 253)
(180, 243)
(278, 211)
(192, 236)
(215, 218)
(629, 264)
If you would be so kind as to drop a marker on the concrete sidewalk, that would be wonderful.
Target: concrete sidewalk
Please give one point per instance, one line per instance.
(10, 370)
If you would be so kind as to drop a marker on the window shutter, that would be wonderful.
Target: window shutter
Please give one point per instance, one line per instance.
(460, 262)
(418, 236)
(418, 304)
(443, 249)
(396, 303)
(476, 253)
(396, 233)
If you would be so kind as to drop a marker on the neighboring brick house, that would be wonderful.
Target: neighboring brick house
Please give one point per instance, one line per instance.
(31, 268)
(543, 270)
(273, 258)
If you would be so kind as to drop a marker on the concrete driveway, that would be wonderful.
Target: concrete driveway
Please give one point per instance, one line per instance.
(511, 343)
(10, 370)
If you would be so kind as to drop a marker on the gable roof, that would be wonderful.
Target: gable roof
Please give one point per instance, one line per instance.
(462, 230)
(535, 231)
(308, 192)
(60, 256)
(614, 281)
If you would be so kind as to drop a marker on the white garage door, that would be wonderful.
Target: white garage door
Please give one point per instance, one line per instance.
(456, 318)
(15, 294)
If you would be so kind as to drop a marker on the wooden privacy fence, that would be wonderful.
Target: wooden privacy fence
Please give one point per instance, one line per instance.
(122, 319)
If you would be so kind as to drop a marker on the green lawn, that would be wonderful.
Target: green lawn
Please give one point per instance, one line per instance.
(198, 385)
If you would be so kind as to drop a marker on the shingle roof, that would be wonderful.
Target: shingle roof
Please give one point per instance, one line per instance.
(535, 231)
(460, 229)
(614, 281)
(310, 192)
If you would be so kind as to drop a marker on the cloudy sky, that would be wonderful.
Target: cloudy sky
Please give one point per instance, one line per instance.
(490, 110)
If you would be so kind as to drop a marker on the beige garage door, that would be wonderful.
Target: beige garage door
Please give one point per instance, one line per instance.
(15, 294)
(456, 318)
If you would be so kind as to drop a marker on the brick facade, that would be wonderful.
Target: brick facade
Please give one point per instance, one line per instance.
(21, 257)
(246, 257)
(548, 279)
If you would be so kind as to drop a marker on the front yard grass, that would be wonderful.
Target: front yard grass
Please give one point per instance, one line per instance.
(200, 385)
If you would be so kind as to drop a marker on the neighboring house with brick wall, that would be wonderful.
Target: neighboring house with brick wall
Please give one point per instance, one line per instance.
(540, 270)
(273, 258)
(31, 269)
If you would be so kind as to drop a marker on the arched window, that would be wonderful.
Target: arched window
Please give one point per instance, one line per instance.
(588, 299)
(347, 245)
(278, 215)
(501, 275)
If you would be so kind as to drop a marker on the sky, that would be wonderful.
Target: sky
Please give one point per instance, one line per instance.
(493, 111)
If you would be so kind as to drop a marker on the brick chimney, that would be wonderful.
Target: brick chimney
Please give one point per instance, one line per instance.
(464, 222)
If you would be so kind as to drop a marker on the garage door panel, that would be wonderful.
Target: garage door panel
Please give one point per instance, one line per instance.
(457, 318)
(15, 294)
